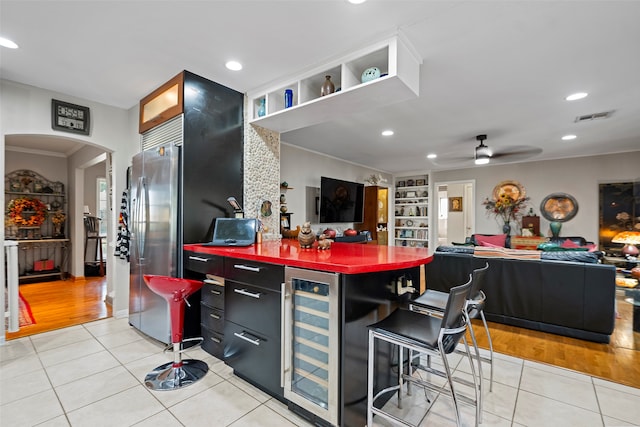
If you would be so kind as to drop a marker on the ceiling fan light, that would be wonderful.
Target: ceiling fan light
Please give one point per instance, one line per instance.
(482, 160)
(483, 155)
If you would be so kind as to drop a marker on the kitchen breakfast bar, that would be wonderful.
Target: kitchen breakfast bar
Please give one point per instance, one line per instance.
(293, 321)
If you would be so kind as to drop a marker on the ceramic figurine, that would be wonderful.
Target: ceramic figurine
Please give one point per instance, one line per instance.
(323, 242)
(306, 236)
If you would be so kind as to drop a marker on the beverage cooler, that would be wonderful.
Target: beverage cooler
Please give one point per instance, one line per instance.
(310, 322)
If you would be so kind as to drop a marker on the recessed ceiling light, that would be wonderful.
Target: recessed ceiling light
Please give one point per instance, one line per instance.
(8, 43)
(568, 137)
(234, 65)
(387, 132)
(576, 96)
(431, 156)
(356, 1)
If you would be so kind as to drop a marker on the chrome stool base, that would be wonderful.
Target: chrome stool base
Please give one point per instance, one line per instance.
(168, 377)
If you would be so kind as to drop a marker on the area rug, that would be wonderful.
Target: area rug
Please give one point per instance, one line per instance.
(25, 315)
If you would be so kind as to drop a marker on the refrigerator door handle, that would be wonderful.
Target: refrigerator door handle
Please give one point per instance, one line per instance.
(143, 216)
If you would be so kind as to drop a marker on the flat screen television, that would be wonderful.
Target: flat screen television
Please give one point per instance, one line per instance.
(340, 201)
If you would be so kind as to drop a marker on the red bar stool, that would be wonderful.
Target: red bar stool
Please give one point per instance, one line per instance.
(179, 373)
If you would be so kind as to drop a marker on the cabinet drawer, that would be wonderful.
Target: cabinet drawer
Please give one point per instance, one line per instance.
(213, 295)
(212, 318)
(213, 342)
(254, 356)
(253, 307)
(262, 274)
(203, 263)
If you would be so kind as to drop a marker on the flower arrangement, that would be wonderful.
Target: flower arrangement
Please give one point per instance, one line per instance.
(505, 207)
(17, 209)
(58, 217)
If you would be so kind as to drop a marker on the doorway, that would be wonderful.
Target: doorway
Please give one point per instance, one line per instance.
(60, 158)
(455, 211)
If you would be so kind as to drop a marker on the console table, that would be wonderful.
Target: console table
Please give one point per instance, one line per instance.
(30, 252)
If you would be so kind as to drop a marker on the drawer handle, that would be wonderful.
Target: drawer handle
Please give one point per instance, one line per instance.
(198, 258)
(243, 337)
(215, 340)
(247, 267)
(247, 293)
(213, 282)
(213, 291)
(215, 316)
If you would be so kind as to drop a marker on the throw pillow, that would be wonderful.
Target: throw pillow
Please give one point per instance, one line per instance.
(497, 240)
(568, 244)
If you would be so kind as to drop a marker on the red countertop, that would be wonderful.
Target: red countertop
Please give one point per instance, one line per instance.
(349, 258)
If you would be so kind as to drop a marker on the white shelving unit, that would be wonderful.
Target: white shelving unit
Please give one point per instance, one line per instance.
(400, 77)
(411, 208)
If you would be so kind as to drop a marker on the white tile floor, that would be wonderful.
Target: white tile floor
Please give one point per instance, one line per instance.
(92, 375)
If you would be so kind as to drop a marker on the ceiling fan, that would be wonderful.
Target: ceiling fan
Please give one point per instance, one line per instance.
(484, 155)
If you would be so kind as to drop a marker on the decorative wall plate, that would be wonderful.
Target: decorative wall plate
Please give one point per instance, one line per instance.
(513, 189)
(559, 207)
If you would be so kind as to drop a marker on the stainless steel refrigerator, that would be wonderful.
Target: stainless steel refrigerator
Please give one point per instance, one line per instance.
(154, 230)
(180, 181)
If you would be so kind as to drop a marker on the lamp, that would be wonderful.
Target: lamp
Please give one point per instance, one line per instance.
(483, 153)
(630, 239)
(239, 213)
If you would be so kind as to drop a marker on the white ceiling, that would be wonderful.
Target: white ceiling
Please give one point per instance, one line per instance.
(497, 67)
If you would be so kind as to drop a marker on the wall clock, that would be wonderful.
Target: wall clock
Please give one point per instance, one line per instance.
(68, 117)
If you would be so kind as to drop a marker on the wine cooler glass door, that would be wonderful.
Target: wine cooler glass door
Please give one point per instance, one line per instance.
(311, 341)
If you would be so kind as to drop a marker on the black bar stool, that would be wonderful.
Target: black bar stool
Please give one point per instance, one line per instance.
(420, 333)
(433, 302)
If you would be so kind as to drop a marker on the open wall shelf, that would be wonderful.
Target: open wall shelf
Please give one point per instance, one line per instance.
(399, 81)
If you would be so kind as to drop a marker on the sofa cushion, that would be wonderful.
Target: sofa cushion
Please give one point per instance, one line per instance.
(497, 240)
(572, 256)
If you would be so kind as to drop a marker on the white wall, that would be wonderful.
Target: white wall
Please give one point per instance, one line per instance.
(302, 168)
(578, 177)
(51, 167)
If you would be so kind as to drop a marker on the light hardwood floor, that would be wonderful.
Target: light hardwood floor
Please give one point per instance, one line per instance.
(59, 304)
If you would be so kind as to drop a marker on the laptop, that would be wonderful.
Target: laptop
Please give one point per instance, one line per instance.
(233, 232)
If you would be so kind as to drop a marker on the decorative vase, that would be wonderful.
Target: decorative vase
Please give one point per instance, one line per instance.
(370, 74)
(555, 227)
(327, 87)
(57, 230)
(262, 109)
(506, 228)
(288, 98)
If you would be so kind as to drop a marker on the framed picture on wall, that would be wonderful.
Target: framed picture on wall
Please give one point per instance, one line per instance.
(455, 204)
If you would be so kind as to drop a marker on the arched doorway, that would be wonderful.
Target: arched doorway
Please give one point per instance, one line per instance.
(66, 160)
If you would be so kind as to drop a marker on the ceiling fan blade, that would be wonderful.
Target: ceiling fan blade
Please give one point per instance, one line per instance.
(451, 158)
(514, 153)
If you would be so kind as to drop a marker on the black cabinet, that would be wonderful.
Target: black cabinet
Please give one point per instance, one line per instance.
(208, 268)
(252, 343)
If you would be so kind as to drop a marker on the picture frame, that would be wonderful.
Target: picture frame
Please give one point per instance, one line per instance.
(420, 182)
(455, 204)
(401, 184)
(410, 183)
